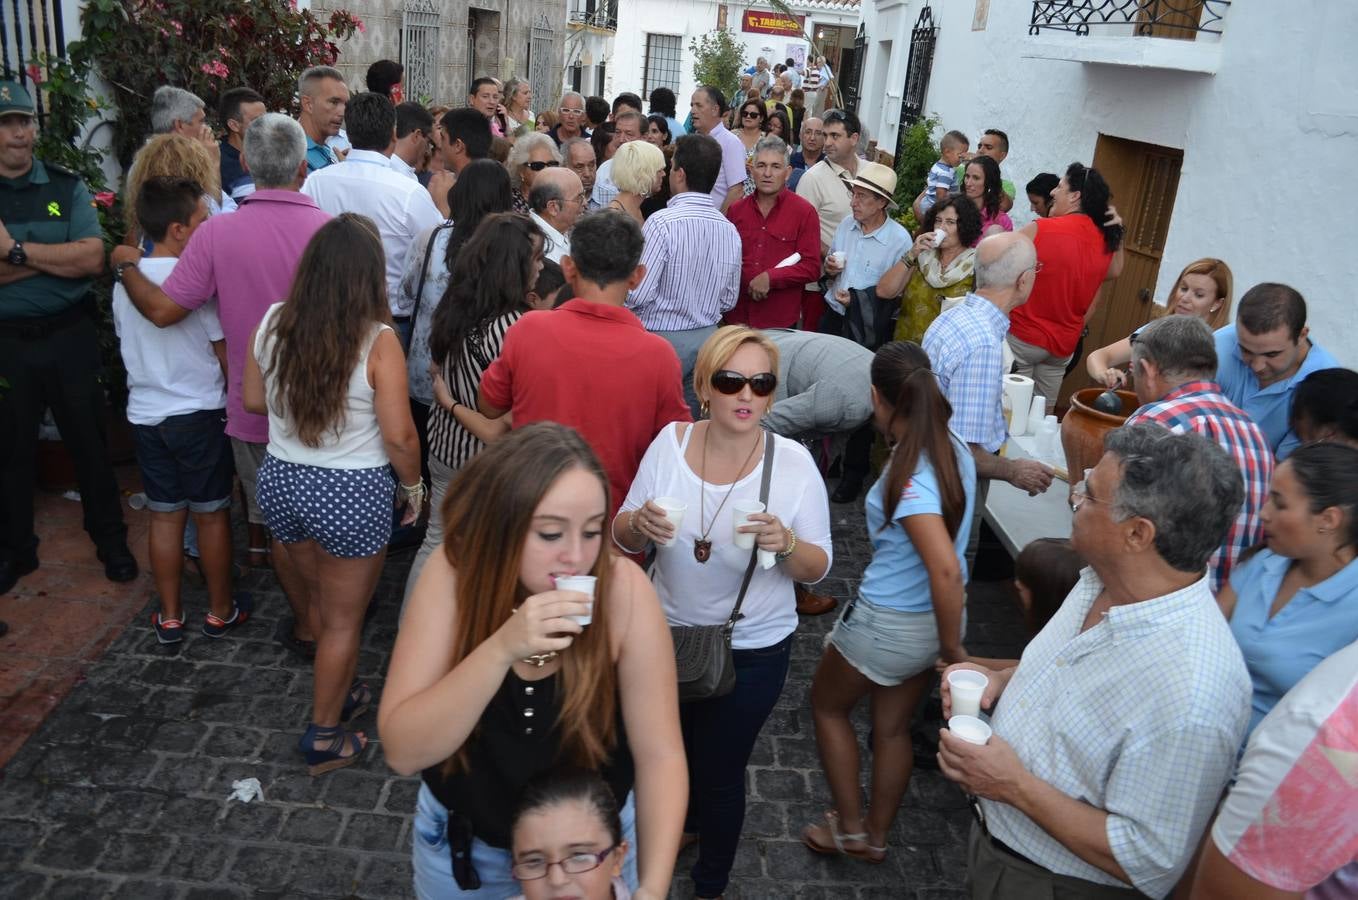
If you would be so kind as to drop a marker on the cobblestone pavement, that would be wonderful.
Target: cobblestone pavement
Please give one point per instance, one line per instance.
(123, 790)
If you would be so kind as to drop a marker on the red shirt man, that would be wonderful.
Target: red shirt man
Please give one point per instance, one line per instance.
(590, 364)
(774, 225)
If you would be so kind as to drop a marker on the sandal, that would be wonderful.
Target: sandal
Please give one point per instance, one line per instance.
(260, 557)
(286, 634)
(811, 837)
(356, 702)
(324, 748)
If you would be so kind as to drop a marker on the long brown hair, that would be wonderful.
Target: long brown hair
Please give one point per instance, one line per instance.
(487, 516)
(901, 374)
(339, 292)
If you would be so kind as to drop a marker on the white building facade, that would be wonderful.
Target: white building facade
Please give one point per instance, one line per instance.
(652, 45)
(1209, 128)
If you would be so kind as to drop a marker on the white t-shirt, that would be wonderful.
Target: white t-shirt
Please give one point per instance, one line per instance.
(694, 593)
(170, 371)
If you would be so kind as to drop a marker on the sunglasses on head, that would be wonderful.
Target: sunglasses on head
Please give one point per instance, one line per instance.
(538, 166)
(729, 382)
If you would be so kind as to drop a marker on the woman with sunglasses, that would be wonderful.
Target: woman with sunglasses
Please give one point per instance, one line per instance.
(713, 466)
(530, 154)
(909, 608)
(568, 839)
(753, 117)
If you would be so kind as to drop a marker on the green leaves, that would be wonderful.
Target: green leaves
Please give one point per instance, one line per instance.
(717, 59)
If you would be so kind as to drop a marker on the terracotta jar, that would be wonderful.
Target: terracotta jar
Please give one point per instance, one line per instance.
(1083, 428)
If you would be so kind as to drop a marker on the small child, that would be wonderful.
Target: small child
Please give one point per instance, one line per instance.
(568, 820)
(1045, 572)
(942, 180)
(176, 378)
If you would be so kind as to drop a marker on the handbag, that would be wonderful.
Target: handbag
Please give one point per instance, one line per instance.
(702, 653)
(870, 320)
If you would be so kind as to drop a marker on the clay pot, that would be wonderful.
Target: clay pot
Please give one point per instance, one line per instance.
(1083, 429)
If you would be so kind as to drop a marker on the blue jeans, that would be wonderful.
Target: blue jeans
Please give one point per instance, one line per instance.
(719, 735)
(433, 866)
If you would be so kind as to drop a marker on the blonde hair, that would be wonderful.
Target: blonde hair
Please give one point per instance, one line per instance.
(169, 156)
(635, 165)
(1220, 273)
(717, 351)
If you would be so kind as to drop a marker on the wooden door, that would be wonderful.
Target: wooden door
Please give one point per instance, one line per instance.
(1144, 179)
(1177, 19)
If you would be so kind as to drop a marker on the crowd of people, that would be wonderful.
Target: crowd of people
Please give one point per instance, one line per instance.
(601, 363)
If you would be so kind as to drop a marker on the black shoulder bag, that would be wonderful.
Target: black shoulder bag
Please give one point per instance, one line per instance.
(702, 653)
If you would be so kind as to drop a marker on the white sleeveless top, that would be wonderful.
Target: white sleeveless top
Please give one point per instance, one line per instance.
(358, 442)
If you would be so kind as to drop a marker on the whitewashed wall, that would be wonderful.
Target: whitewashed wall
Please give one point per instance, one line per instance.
(1269, 140)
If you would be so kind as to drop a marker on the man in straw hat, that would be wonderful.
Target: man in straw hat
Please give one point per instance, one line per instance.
(865, 245)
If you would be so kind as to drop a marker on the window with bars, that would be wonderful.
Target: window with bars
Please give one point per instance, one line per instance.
(664, 53)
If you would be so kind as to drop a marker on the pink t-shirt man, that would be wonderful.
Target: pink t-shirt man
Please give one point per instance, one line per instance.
(247, 261)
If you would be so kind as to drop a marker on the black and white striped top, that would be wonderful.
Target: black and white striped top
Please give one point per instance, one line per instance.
(449, 442)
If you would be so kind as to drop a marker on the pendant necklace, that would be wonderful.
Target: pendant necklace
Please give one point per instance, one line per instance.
(702, 547)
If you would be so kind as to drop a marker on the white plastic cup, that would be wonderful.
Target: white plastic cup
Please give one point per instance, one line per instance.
(838, 257)
(970, 729)
(137, 500)
(674, 514)
(966, 687)
(1037, 412)
(583, 584)
(741, 511)
(939, 237)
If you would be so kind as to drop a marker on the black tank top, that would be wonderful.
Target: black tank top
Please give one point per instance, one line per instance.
(515, 740)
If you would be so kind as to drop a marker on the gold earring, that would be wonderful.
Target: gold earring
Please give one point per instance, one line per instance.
(703, 410)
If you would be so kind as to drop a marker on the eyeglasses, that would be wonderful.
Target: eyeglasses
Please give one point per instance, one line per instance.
(729, 382)
(538, 166)
(1080, 493)
(952, 222)
(567, 111)
(575, 864)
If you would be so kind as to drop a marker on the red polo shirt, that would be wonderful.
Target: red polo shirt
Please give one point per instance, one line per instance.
(593, 367)
(792, 226)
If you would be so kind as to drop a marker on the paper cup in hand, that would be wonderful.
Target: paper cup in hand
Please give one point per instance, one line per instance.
(674, 514)
(970, 729)
(583, 584)
(838, 258)
(939, 237)
(966, 687)
(741, 511)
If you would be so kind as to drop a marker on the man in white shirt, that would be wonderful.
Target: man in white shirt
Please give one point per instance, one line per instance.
(629, 127)
(414, 134)
(555, 202)
(365, 183)
(708, 106)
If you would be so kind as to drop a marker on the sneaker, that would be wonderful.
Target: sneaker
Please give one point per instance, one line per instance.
(214, 627)
(168, 631)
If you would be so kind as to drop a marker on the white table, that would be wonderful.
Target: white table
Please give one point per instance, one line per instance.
(1018, 519)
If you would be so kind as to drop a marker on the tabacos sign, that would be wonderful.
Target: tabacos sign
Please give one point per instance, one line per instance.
(772, 23)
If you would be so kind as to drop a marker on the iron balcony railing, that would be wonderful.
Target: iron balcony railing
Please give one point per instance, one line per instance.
(605, 17)
(1147, 18)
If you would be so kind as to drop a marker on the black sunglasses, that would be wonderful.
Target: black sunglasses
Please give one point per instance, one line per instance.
(537, 166)
(729, 382)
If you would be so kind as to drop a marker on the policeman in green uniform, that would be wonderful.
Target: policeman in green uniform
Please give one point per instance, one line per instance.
(50, 248)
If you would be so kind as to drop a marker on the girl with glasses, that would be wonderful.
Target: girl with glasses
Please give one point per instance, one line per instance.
(568, 839)
(712, 468)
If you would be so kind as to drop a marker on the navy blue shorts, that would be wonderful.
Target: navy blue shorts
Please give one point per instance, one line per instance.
(346, 511)
(185, 462)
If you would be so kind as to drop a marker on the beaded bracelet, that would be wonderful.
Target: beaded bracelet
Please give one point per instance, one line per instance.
(791, 546)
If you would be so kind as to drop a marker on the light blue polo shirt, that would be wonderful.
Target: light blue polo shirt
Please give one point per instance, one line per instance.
(866, 256)
(318, 156)
(1319, 620)
(1270, 406)
(897, 577)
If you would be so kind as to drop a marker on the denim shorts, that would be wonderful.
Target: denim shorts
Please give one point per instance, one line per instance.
(886, 645)
(346, 511)
(433, 865)
(185, 462)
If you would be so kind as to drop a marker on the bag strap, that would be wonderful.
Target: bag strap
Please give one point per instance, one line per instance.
(754, 553)
(424, 271)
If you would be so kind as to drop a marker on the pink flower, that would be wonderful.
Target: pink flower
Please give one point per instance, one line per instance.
(35, 73)
(178, 28)
(216, 68)
(104, 198)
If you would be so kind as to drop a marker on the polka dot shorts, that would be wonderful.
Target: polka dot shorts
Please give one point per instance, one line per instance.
(347, 511)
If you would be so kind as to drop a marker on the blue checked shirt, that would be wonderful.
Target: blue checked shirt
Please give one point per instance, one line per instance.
(1200, 406)
(692, 260)
(966, 349)
(1140, 716)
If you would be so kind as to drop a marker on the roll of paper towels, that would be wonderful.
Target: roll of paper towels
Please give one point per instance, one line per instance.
(1019, 390)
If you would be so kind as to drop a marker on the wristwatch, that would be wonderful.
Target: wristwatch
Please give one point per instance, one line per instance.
(17, 255)
(120, 268)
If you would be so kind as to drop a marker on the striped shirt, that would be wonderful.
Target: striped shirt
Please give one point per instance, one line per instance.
(1200, 406)
(1141, 715)
(692, 261)
(449, 442)
(604, 189)
(940, 176)
(966, 349)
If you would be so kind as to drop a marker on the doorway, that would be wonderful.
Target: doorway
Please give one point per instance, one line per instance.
(1144, 179)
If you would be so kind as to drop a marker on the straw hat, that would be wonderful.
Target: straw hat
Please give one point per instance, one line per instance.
(879, 179)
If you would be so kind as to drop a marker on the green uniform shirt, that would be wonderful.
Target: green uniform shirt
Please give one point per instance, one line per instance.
(45, 206)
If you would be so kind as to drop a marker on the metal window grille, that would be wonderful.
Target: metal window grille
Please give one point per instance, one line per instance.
(1149, 18)
(664, 55)
(921, 63)
(541, 47)
(420, 48)
(26, 30)
(853, 80)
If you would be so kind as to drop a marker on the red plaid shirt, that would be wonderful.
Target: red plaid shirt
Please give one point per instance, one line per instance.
(1200, 406)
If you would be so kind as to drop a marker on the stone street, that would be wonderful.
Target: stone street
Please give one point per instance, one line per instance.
(122, 791)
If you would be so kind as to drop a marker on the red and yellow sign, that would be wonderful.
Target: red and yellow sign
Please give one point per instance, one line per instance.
(772, 23)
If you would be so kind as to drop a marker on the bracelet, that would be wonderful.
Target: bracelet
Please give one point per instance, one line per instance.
(792, 545)
(909, 263)
(632, 524)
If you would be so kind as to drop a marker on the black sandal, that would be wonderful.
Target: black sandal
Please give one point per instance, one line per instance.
(324, 748)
